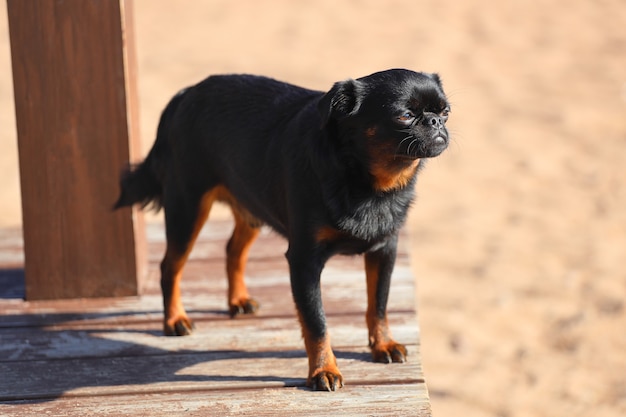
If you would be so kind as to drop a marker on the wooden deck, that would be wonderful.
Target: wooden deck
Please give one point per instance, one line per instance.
(108, 357)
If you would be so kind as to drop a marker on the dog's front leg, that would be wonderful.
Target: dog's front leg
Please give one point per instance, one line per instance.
(305, 269)
(378, 268)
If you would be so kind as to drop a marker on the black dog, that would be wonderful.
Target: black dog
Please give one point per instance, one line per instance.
(332, 172)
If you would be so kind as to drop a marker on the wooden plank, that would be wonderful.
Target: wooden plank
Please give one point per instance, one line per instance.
(204, 288)
(188, 371)
(108, 357)
(342, 295)
(255, 334)
(380, 400)
(75, 100)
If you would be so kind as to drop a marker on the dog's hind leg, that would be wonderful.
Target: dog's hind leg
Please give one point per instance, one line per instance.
(245, 232)
(184, 217)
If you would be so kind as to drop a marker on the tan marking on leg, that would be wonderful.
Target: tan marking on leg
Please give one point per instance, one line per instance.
(238, 248)
(324, 375)
(384, 348)
(176, 320)
(328, 234)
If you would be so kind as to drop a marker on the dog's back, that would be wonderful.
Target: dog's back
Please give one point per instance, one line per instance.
(228, 130)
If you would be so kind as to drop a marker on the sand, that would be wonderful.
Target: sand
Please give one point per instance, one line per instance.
(519, 231)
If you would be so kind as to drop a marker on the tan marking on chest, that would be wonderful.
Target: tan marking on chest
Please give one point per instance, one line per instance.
(389, 176)
(388, 171)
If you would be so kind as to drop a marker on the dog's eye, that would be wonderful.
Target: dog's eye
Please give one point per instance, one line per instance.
(407, 117)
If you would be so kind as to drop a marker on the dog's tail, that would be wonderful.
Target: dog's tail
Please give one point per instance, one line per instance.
(143, 183)
(139, 184)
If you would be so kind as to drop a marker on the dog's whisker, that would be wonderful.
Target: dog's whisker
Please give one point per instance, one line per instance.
(408, 150)
(401, 142)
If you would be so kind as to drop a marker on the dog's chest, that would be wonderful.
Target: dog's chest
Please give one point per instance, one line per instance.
(375, 219)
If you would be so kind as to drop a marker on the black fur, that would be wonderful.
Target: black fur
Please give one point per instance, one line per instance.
(143, 184)
(301, 161)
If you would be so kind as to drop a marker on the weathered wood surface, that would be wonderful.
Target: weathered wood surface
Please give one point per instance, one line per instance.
(108, 357)
(76, 110)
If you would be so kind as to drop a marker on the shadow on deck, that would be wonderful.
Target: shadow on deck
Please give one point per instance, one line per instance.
(99, 356)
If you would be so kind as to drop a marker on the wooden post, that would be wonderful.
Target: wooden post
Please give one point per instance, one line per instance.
(76, 111)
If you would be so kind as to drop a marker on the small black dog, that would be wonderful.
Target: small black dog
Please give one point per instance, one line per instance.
(332, 172)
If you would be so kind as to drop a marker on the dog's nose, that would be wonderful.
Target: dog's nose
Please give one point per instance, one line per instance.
(433, 120)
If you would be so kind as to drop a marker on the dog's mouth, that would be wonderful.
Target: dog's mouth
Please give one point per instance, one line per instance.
(439, 143)
(436, 145)
(440, 140)
(424, 147)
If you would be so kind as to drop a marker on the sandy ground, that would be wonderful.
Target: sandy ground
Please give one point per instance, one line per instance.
(519, 233)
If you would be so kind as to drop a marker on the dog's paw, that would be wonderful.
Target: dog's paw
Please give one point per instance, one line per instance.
(326, 380)
(180, 327)
(389, 352)
(247, 306)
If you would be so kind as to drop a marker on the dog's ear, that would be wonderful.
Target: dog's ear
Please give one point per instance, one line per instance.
(341, 101)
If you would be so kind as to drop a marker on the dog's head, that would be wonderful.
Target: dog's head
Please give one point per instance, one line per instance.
(397, 108)
(393, 118)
